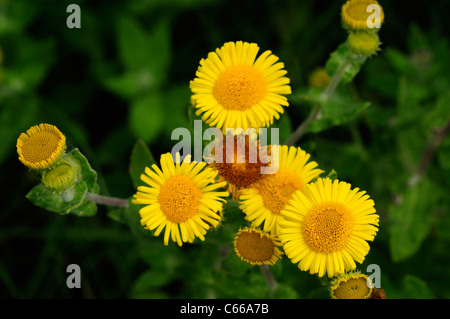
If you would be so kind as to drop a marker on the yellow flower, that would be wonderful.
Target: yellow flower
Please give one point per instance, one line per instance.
(319, 78)
(256, 247)
(352, 285)
(354, 14)
(241, 166)
(326, 227)
(180, 198)
(363, 43)
(233, 89)
(41, 146)
(263, 202)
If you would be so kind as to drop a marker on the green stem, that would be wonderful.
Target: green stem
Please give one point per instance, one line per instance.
(106, 200)
(315, 112)
(430, 150)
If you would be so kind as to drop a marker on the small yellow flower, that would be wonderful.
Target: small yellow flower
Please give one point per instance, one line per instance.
(41, 146)
(354, 14)
(181, 198)
(352, 285)
(319, 78)
(363, 43)
(257, 247)
(234, 89)
(326, 227)
(263, 202)
(60, 176)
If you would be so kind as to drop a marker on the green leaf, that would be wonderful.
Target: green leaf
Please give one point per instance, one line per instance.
(131, 83)
(416, 288)
(336, 112)
(142, 50)
(54, 202)
(411, 220)
(130, 215)
(150, 280)
(141, 157)
(88, 175)
(146, 117)
(88, 208)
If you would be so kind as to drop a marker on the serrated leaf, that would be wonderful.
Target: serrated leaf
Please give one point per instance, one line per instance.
(411, 220)
(141, 157)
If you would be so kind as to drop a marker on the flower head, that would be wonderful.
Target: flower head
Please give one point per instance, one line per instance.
(319, 78)
(239, 160)
(234, 89)
(181, 198)
(257, 247)
(264, 201)
(363, 43)
(355, 14)
(60, 176)
(326, 227)
(41, 146)
(352, 285)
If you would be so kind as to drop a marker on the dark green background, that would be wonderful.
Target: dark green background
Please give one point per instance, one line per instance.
(125, 75)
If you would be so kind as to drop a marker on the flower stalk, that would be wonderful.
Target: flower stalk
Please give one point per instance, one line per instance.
(106, 200)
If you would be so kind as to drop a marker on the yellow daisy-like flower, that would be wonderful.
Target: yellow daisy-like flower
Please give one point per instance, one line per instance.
(352, 285)
(239, 165)
(256, 247)
(354, 14)
(41, 146)
(234, 89)
(263, 202)
(327, 226)
(181, 198)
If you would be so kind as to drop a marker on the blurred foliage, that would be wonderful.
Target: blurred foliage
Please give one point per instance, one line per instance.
(121, 83)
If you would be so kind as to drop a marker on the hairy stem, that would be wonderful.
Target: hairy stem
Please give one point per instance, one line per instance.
(268, 277)
(105, 200)
(430, 150)
(315, 112)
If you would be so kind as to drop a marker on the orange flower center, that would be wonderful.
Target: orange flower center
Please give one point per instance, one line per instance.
(254, 246)
(179, 198)
(240, 87)
(327, 227)
(277, 189)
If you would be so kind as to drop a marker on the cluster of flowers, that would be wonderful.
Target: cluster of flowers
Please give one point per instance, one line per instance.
(319, 223)
(362, 25)
(43, 149)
